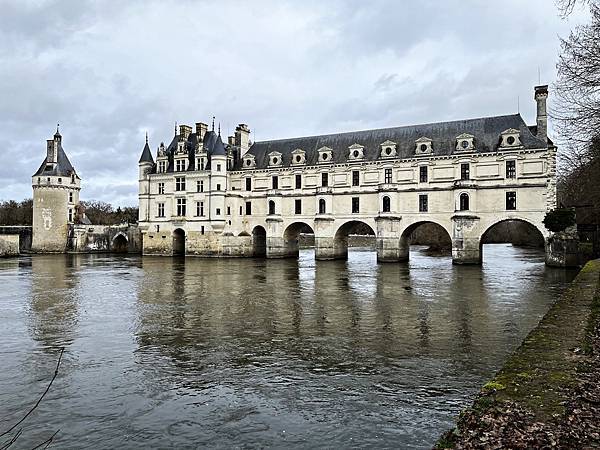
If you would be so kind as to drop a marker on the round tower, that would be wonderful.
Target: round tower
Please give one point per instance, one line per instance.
(56, 188)
(145, 165)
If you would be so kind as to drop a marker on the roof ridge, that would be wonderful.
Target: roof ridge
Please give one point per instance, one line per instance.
(389, 128)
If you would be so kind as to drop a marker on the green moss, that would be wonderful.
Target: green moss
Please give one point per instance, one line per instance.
(493, 386)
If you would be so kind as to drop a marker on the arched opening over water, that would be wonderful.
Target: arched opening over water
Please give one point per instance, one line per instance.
(430, 234)
(178, 242)
(517, 232)
(296, 235)
(360, 232)
(120, 244)
(259, 241)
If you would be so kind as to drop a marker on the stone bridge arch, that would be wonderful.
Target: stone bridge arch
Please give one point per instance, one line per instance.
(523, 232)
(119, 243)
(444, 229)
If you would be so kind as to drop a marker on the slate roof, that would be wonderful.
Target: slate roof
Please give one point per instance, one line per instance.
(212, 145)
(63, 168)
(486, 132)
(146, 154)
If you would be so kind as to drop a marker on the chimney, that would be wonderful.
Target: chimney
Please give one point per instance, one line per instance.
(242, 137)
(201, 129)
(541, 94)
(51, 151)
(185, 131)
(231, 140)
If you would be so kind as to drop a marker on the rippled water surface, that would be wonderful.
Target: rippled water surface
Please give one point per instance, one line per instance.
(163, 352)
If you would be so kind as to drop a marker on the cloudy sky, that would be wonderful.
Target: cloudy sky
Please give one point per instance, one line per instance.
(110, 70)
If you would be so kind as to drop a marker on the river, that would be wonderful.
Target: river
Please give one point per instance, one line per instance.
(251, 353)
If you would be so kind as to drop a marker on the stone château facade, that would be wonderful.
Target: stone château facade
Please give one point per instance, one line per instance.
(202, 196)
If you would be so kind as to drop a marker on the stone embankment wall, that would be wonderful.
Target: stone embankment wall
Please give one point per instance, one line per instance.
(104, 239)
(548, 392)
(24, 234)
(9, 245)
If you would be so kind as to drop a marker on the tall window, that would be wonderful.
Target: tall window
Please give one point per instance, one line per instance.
(355, 204)
(181, 204)
(298, 181)
(324, 179)
(161, 188)
(200, 209)
(465, 171)
(248, 184)
(160, 210)
(218, 212)
(218, 167)
(388, 176)
(271, 207)
(511, 200)
(248, 208)
(70, 215)
(423, 204)
(511, 169)
(70, 197)
(218, 186)
(180, 183)
(162, 166)
(229, 211)
(322, 206)
(200, 186)
(423, 174)
(355, 178)
(298, 206)
(180, 165)
(275, 182)
(463, 202)
(386, 204)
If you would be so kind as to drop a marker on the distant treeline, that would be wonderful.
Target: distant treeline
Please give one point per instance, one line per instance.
(21, 213)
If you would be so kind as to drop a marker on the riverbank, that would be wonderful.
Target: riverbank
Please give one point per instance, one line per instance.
(548, 392)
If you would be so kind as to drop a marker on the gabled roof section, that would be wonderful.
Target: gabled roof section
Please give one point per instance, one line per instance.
(486, 130)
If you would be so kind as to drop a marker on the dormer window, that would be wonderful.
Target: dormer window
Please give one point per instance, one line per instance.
(424, 146)
(510, 138)
(325, 155)
(180, 165)
(274, 159)
(161, 150)
(388, 149)
(464, 142)
(180, 147)
(356, 151)
(162, 166)
(249, 161)
(298, 157)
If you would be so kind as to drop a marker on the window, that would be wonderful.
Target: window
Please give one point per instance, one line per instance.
(423, 206)
(275, 182)
(325, 179)
(181, 203)
(465, 172)
(218, 212)
(463, 202)
(355, 204)
(70, 215)
(423, 174)
(355, 178)
(387, 176)
(248, 184)
(200, 186)
(218, 167)
(298, 206)
(161, 188)
(202, 229)
(70, 197)
(200, 164)
(322, 206)
(200, 209)
(180, 183)
(218, 186)
(271, 207)
(160, 210)
(386, 204)
(241, 211)
(60, 181)
(511, 200)
(162, 166)
(73, 179)
(298, 181)
(248, 208)
(180, 165)
(511, 169)
(229, 210)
